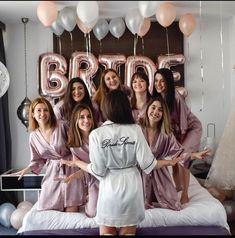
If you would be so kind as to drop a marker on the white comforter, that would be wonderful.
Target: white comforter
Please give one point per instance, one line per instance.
(203, 210)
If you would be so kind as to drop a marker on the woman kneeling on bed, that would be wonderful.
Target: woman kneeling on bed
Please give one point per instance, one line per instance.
(116, 149)
(159, 189)
(81, 124)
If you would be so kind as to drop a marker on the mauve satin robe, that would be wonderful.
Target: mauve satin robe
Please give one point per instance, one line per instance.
(54, 195)
(185, 122)
(158, 185)
(90, 185)
(60, 114)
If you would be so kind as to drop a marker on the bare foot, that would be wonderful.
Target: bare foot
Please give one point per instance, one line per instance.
(184, 198)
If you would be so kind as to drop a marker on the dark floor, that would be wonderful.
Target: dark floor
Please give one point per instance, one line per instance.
(11, 231)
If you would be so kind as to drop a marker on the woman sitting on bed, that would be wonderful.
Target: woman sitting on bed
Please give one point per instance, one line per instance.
(47, 142)
(158, 185)
(81, 124)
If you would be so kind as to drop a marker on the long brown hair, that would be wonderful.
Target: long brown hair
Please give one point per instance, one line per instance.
(165, 124)
(74, 132)
(103, 90)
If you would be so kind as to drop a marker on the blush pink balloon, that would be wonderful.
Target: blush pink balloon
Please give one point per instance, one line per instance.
(166, 14)
(144, 27)
(47, 12)
(187, 24)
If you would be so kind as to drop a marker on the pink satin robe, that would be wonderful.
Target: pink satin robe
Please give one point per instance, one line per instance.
(158, 185)
(90, 185)
(54, 195)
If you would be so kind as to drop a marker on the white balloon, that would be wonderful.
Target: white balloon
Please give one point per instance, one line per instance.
(6, 210)
(17, 217)
(148, 8)
(117, 27)
(68, 18)
(57, 28)
(25, 205)
(101, 29)
(87, 11)
(134, 21)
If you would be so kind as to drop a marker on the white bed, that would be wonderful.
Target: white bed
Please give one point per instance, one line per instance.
(202, 210)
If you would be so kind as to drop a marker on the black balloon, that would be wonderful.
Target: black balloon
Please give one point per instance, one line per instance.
(23, 111)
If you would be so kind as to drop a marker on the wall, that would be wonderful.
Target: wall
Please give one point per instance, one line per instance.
(216, 101)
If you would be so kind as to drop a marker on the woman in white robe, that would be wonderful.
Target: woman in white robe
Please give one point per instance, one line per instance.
(116, 149)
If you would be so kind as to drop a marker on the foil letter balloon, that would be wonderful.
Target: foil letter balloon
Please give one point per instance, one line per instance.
(183, 91)
(135, 62)
(79, 59)
(23, 111)
(52, 68)
(112, 61)
(167, 61)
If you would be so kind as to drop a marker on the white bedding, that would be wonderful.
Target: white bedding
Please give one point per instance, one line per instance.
(203, 210)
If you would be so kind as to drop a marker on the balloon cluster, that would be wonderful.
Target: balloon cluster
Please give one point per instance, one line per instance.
(86, 17)
(12, 216)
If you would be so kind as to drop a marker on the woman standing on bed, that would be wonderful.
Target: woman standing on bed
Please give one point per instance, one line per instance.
(47, 142)
(118, 146)
(158, 185)
(186, 126)
(109, 81)
(81, 124)
(141, 94)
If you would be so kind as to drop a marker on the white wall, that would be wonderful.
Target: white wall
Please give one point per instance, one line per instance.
(39, 40)
(216, 100)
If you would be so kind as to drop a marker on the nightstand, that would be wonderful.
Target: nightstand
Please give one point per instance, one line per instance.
(29, 182)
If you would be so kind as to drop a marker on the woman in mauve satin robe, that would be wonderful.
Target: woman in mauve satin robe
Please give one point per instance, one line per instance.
(81, 124)
(158, 185)
(109, 81)
(76, 93)
(187, 128)
(47, 142)
(141, 95)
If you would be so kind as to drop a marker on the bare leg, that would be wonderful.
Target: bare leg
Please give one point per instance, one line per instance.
(128, 230)
(186, 177)
(176, 177)
(72, 209)
(108, 230)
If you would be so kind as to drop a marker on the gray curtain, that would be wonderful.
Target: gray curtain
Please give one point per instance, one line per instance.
(5, 135)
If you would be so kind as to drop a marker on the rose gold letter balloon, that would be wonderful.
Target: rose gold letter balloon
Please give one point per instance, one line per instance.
(135, 62)
(75, 70)
(166, 61)
(112, 61)
(52, 68)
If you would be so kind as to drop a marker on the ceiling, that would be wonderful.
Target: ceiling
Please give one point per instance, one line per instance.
(13, 11)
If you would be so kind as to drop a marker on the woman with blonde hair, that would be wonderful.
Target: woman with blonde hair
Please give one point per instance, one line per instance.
(47, 141)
